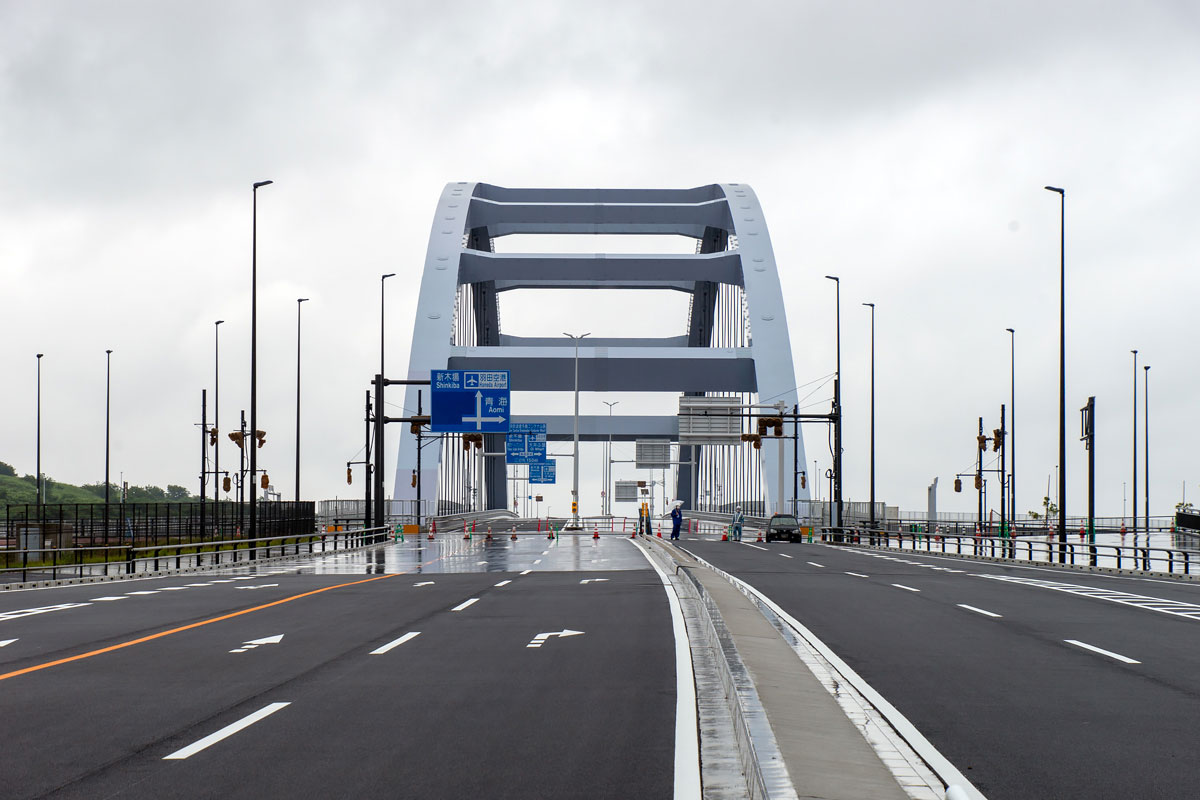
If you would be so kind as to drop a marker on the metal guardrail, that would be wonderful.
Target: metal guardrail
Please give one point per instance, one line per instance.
(74, 562)
(1038, 550)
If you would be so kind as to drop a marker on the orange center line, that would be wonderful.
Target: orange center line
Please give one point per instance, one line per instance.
(201, 623)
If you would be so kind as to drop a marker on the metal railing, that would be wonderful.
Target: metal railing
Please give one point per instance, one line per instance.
(23, 565)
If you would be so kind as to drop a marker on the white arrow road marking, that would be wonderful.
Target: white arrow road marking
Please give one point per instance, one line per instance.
(257, 586)
(467, 604)
(227, 731)
(6, 642)
(1095, 649)
(593, 580)
(541, 638)
(28, 612)
(390, 645)
(424, 583)
(253, 643)
(978, 610)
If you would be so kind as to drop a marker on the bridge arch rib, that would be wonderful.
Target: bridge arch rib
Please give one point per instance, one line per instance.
(735, 340)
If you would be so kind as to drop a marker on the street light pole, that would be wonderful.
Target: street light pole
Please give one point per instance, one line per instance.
(253, 445)
(575, 466)
(1012, 441)
(1062, 372)
(872, 512)
(380, 513)
(1134, 484)
(38, 466)
(608, 482)
(217, 419)
(107, 418)
(837, 404)
(299, 300)
(1146, 417)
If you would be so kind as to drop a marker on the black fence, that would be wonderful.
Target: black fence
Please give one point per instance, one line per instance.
(65, 525)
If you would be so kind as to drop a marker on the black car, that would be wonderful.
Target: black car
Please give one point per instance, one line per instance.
(783, 526)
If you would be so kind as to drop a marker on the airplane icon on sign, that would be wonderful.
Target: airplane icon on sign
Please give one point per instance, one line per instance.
(472, 380)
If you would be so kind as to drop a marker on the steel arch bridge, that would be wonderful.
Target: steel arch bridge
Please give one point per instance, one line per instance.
(734, 341)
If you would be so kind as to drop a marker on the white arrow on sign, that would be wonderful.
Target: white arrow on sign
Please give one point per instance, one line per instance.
(541, 638)
(593, 580)
(6, 642)
(479, 418)
(253, 643)
(424, 583)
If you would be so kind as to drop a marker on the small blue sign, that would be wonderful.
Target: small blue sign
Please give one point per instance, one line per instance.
(542, 473)
(469, 401)
(526, 443)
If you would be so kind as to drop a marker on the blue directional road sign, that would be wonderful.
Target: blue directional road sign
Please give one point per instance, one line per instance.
(543, 472)
(526, 443)
(469, 401)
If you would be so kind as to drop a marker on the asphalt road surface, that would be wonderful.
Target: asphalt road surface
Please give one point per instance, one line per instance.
(549, 680)
(1034, 682)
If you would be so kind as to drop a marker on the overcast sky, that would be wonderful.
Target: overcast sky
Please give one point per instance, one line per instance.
(903, 147)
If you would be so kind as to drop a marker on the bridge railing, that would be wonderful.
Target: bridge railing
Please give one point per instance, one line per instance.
(1040, 550)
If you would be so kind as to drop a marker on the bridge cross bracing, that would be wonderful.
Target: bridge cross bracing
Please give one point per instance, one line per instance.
(735, 339)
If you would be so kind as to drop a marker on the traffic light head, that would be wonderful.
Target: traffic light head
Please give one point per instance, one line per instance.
(803, 480)
(236, 437)
(574, 507)
(349, 476)
(978, 481)
(414, 478)
(212, 436)
(997, 439)
(982, 441)
(264, 481)
(226, 484)
(958, 484)
(261, 436)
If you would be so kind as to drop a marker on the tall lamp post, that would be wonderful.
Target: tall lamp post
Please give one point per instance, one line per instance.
(872, 512)
(253, 445)
(1012, 442)
(1134, 484)
(107, 418)
(38, 467)
(299, 300)
(217, 488)
(1062, 372)
(1146, 417)
(608, 487)
(380, 428)
(837, 407)
(575, 466)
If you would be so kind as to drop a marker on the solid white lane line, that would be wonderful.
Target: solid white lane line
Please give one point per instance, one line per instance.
(815, 564)
(756, 547)
(857, 574)
(526, 572)
(978, 610)
(467, 604)
(1101, 651)
(503, 583)
(785, 555)
(687, 741)
(906, 588)
(390, 645)
(226, 732)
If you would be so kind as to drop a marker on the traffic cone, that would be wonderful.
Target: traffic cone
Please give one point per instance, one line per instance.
(595, 533)
(488, 538)
(550, 530)
(660, 530)
(466, 533)
(724, 537)
(759, 539)
(432, 529)
(634, 533)
(514, 533)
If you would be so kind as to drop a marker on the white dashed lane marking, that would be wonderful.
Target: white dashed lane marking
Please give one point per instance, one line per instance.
(1101, 651)
(978, 610)
(905, 588)
(467, 604)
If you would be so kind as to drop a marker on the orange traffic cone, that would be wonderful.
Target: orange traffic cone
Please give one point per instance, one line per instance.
(432, 528)
(724, 537)
(488, 538)
(595, 533)
(514, 533)
(759, 539)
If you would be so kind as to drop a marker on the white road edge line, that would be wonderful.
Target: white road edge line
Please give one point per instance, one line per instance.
(979, 610)
(394, 644)
(467, 604)
(687, 739)
(1101, 651)
(949, 774)
(227, 731)
(905, 588)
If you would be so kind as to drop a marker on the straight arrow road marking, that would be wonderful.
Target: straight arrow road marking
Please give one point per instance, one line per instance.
(253, 643)
(541, 638)
(1102, 652)
(394, 644)
(467, 604)
(224, 733)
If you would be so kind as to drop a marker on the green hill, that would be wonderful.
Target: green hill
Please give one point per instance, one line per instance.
(19, 490)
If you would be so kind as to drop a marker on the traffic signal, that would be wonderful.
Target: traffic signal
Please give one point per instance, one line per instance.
(978, 481)
(958, 484)
(236, 437)
(226, 484)
(574, 507)
(982, 441)
(349, 476)
(414, 478)
(264, 481)
(262, 439)
(212, 436)
(997, 439)
(803, 480)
